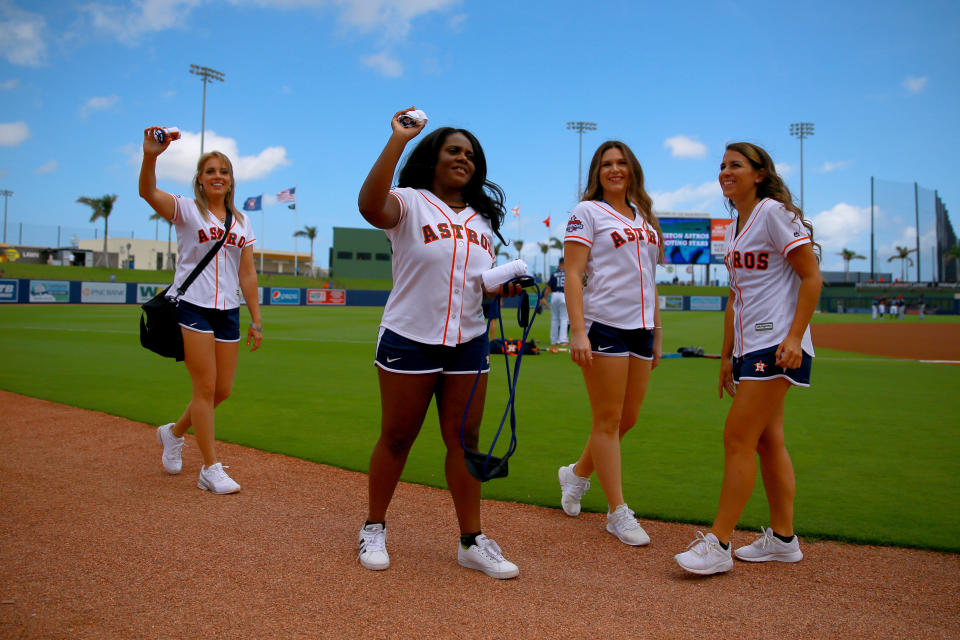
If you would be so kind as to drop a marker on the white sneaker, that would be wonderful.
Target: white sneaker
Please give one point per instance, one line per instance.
(216, 480)
(767, 548)
(705, 556)
(172, 445)
(622, 524)
(572, 488)
(485, 555)
(373, 547)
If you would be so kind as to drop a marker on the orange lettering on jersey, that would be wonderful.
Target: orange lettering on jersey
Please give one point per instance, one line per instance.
(762, 261)
(484, 243)
(201, 236)
(429, 235)
(242, 241)
(751, 260)
(472, 236)
(458, 231)
(444, 230)
(627, 231)
(618, 240)
(232, 239)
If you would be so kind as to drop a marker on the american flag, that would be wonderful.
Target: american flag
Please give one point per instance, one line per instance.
(287, 195)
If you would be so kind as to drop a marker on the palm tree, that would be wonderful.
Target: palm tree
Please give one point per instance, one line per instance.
(498, 251)
(847, 256)
(903, 255)
(953, 253)
(169, 261)
(518, 245)
(311, 233)
(544, 248)
(102, 208)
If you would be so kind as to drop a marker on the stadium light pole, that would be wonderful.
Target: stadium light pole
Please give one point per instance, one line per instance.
(207, 75)
(580, 127)
(6, 193)
(801, 130)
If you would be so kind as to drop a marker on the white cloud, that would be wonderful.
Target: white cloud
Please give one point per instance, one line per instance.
(98, 104)
(783, 169)
(841, 227)
(9, 84)
(833, 166)
(48, 167)
(22, 36)
(13, 133)
(179, 162)
(385, 64)
(684, 147)
(128, 25)
(914, 84)
(687, 197)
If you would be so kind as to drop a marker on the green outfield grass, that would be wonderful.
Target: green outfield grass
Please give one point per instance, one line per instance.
(875, 441)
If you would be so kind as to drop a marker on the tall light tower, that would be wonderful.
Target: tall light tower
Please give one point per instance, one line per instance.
(207, 75)
(801, 130)
(6, 194)
(580, 127)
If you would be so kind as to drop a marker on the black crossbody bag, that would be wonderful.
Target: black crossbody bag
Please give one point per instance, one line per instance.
(159, 325)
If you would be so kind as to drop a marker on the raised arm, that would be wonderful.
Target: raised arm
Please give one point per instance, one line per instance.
(161, 201)
(374, 201)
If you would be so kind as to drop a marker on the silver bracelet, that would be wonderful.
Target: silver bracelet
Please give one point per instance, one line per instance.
(256, 327)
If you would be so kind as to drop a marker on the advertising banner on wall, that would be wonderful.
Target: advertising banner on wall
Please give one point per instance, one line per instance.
(49, 291)
(146, 292)
(686, 240)
(326, 296)
(705, 303)
(284, 296)
(243, 301)
(671, 303)
(8, 290)
(718, 230)
(103, 292)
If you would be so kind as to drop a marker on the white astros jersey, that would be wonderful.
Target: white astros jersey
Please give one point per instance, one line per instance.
(218, 285)
(765, 284)
(438, 258)
(621, 285)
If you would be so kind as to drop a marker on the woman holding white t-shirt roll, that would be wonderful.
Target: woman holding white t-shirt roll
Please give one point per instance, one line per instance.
(774, 287)
(209, 310)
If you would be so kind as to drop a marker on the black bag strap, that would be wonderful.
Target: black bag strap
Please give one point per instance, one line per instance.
(207, 258)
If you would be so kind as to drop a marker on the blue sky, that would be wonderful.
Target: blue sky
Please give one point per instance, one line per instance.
(310, 86)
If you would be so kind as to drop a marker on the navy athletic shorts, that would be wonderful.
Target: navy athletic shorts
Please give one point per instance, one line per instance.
(402, 355)
(611, 341)
(761, 365)
(223, 324)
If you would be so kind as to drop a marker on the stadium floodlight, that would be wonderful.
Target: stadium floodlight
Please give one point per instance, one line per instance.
(6, 194)
(207, 75)
(580, 127)
(801, 130)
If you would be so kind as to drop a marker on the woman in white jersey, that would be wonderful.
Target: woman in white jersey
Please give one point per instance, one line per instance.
(441, 220)
(613, 242)
(774, 286)
(209, 311)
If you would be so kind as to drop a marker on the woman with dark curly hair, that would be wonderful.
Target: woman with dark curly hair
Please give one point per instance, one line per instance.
(441, 220)
(774, 286)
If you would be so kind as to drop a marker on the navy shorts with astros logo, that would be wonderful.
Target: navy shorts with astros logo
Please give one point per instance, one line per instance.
(403, 355)
(223, 324)
(761, 365)
(611, 341)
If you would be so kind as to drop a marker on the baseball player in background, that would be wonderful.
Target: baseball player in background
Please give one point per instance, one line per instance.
(774, 286)
(614, 240)
(559, 320)
(209, 311)
(441, 220)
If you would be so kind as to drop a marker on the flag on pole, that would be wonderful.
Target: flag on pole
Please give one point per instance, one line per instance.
(547, 222)
(516, 211)
(287, 195)
(292, 206)
(252, 204)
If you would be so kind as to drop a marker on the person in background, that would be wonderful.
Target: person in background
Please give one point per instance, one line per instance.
(613, 240)
(209, 311)
(441, 220)
(775, 283)
(559, 321)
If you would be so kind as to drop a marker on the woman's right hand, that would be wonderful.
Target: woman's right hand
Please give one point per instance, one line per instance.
(580, 350)
(402, 132)
(150, 145)
(726, 377)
